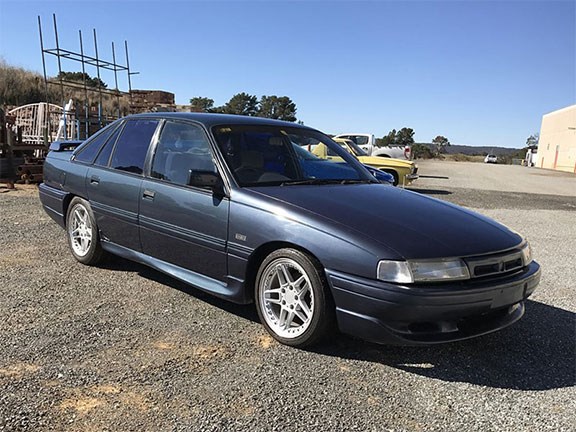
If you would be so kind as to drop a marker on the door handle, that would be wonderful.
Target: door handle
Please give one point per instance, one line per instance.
(94, 180)
(148, 194)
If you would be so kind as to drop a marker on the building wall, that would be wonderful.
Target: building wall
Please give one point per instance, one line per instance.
(557, 144)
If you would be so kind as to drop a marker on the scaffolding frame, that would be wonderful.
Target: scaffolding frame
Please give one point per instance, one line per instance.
(85, 60)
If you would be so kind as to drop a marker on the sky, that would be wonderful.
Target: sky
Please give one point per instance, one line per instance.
(478, 72)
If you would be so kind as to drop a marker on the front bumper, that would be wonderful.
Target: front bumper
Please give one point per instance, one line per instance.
(411, 177)
(416, 315)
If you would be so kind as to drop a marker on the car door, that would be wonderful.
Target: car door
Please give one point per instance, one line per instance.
(114, 182)
(179, 224)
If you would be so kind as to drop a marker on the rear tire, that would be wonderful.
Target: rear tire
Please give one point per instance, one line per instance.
(292, 298)
(82, 233)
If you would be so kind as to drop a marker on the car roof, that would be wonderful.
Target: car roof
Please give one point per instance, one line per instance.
(354, 134)
(213, 119)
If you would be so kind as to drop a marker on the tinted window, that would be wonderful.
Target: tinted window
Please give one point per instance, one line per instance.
(261, 155)
(90, 149)
(104, 155)
(132, 146)
(182, 147)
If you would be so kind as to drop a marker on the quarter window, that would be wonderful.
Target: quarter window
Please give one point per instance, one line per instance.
(182, 148)
(104, 156)
(90, 149)
(132, 146)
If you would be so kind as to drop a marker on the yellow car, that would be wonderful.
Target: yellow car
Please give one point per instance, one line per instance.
(403, 171)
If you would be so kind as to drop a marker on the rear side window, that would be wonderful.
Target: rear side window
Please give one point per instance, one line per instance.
(90, 149)
(104, 155)
(132, 146)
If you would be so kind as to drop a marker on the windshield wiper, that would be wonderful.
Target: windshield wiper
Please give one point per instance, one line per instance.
(324, 182)
(356, 181)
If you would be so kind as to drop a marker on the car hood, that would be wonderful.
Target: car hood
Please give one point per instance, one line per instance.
(413, 225)
(385, 162)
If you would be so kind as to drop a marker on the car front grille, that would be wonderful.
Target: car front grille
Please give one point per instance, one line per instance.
(491, 265)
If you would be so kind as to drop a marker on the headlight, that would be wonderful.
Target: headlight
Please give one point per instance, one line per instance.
(422, 271)
(526, 254)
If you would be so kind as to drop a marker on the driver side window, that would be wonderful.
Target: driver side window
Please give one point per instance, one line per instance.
(182, 148)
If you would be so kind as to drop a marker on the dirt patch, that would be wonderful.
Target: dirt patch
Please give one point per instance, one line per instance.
(81, 405)
(20, 190)
(104, 399)
(107, 389)
(18, 370)
(265, 341)
(24, 255)
(163, 346)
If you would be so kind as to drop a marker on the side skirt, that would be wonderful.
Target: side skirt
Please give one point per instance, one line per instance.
(233, 290)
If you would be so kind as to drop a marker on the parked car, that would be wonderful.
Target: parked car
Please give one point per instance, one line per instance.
(367, 142)
(225, 204)
(403, 171)
(491, 159)
(381, 176)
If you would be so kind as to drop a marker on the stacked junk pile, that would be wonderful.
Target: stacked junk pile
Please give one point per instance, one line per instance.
(25, 133)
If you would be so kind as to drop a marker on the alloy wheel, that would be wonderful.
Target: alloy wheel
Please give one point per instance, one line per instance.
(287, 298)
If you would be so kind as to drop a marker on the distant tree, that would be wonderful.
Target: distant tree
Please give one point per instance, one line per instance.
(405, 136)
(422, 151)
(201, 104)
(275, 107)
(532, 140)
(241, 104)
(79, 77)
(388, 140)
(440, 142)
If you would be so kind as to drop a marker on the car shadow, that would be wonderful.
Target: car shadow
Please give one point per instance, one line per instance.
(435, 177)
(537, 353)
(116, 263)
(430, 191)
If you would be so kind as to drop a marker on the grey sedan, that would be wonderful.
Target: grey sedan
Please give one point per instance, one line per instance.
(233, 206)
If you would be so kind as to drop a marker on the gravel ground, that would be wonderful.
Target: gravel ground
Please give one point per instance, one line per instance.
(122, 347)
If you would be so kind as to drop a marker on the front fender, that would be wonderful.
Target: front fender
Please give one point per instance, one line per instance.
(337, 247)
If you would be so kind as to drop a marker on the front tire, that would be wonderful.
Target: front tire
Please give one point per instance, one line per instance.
(292, 298)
(395, 175)
(82, 233)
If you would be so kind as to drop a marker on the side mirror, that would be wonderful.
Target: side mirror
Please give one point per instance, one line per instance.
(206, 179)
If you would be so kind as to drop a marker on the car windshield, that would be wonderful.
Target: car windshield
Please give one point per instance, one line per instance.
(355, 149)
(263, 155)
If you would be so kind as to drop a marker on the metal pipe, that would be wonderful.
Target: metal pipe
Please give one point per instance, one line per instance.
(43, 58)
(116, 80)
(128, 72)
(99, 80)
(59, 61)
(86, 106)
(46, 124)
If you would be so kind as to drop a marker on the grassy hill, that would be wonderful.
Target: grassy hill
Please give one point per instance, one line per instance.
(19, 86)
(476, 150)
